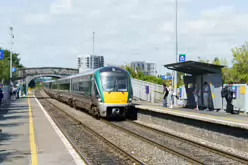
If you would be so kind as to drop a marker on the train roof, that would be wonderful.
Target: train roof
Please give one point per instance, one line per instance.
(48, 81)
(107, 68)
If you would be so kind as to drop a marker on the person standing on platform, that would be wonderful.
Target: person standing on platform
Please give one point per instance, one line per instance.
(171, 95)
(165, 95)
(227, 93)
(206, 95)
(196, 95)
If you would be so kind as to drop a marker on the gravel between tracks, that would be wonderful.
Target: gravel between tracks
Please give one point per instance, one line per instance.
(196, 139)
(188, 149)
(141, 150)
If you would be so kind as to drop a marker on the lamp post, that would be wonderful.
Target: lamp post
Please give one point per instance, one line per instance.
(176, 51)
(11, 44)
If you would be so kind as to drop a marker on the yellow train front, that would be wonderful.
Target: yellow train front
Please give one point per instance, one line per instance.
(114, 93)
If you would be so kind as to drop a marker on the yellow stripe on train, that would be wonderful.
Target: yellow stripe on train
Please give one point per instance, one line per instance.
(115, 97)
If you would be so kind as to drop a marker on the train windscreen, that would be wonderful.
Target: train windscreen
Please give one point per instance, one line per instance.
(114, 81)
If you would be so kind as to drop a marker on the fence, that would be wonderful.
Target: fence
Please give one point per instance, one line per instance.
(153, 92)
(147, 91)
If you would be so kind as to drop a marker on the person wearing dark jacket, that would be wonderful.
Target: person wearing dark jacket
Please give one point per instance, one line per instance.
(165, 95)
(229, 98)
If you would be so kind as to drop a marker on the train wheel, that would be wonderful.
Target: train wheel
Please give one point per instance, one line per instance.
(96, 113)
(70, 102)
(74, 105)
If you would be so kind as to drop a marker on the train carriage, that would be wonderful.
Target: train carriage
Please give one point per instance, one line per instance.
(104, 92)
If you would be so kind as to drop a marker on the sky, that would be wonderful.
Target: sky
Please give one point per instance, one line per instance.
(54, 32)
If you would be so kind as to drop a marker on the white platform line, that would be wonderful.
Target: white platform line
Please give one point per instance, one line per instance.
(67, 144)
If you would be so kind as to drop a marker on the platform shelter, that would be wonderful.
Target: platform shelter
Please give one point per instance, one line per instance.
(198, 73)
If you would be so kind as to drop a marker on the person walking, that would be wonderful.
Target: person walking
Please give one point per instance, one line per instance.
(206, 95)
(165, 95)
(227, 93)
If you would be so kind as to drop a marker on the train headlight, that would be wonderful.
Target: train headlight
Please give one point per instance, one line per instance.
(130, 100)
(99, 99)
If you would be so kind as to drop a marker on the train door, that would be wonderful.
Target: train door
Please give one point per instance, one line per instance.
(94, 92)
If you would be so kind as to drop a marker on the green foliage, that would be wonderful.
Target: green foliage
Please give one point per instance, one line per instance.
(5, 66)
(140, 76)
(240, 64)
(238, 73)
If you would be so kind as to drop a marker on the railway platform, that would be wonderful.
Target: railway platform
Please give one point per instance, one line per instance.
(29, 136)
(220, 117)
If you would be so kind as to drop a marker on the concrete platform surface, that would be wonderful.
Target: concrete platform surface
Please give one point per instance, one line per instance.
(29, 137)
(234, 120)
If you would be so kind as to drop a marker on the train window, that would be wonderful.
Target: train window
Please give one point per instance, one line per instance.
(114, 84)
(75, 87)
(84, 87)
(65, 87)
(54, 86)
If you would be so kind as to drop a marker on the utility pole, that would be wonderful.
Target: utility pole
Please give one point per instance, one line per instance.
(176, 52)
(11, 44)
(93, 51)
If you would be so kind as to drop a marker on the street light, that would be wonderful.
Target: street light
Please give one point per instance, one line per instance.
(176, 52)
(11, 44)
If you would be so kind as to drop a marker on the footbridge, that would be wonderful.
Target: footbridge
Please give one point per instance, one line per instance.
(26, 75)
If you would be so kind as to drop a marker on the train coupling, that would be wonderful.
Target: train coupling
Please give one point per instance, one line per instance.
(116, 111)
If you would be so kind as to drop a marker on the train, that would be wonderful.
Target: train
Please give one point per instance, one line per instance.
(104, 92)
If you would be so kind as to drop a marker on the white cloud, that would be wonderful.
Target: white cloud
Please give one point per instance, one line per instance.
(61, 7)
(36, 19)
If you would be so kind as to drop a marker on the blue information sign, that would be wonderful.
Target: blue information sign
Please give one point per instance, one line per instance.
(147, 89)
(182, 57)
(13, 69)
(1, 54)
(166, 77)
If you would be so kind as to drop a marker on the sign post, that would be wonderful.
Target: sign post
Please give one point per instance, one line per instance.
(166, 77)
(182, 57)
(13, 70)
(147, 92)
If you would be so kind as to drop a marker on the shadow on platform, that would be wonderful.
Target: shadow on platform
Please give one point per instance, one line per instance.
(9, 156)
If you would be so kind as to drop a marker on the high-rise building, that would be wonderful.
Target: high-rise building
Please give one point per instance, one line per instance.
(90, 62)
(148, 69)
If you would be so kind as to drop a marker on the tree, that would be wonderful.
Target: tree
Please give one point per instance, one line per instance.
(227, 73)
(240, 63)
(5, 66)
(138, 74)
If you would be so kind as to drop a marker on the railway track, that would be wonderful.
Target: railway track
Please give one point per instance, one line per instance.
(109, 153)
(193, 152)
